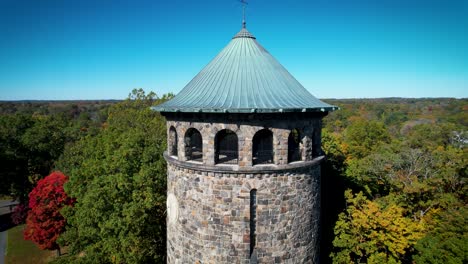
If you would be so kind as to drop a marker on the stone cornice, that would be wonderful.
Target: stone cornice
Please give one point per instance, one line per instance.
(235, 169)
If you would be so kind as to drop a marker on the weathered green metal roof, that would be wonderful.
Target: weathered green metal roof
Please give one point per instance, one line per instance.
(244, 78)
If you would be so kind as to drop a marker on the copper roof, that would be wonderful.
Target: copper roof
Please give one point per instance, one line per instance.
(244, 78)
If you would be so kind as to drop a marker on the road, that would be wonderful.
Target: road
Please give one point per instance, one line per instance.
(6, 205)
(4, 209)
(3, 245)
(6, 202)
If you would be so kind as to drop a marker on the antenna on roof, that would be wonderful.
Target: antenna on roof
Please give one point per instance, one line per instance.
(244, 3)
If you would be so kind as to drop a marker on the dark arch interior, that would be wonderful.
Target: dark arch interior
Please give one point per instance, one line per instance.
(193, 145)
(262, 149)
(316, 146)
(227, 149)
(294, 144)
(172, 142)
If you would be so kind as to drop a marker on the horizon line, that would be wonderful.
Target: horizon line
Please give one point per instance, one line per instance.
(332, 98)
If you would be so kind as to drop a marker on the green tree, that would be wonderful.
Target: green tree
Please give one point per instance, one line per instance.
(332, 146)
(29, 147)
(44, 142)
(362, 137)
(448, 241)
(118, 178)
(430, 136)
(13, 155)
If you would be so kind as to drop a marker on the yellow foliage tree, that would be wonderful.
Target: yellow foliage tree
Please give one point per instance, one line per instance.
(374, 232)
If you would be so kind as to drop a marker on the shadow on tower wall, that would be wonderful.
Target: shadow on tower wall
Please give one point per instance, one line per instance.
(334, 184)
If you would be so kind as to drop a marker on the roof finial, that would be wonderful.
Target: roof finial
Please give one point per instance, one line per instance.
(244, 3)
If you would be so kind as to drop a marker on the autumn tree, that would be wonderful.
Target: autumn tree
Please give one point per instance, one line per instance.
(409, 154)
(413, 177)
(418, 179)
(374, 232)
(44, 222)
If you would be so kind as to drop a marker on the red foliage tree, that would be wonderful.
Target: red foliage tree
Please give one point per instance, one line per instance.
(44, 222)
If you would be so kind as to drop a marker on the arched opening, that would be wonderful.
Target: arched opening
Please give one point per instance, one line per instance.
(172, 142)
(262, 148)
(294, 146)
(226, 147)
(316, 147)
(193, 145)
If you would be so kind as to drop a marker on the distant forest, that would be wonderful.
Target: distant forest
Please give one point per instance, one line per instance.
(393, 185)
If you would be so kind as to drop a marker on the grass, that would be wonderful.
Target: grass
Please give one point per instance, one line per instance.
(24, 251)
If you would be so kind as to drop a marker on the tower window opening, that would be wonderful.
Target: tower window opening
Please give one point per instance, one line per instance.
(262, 149)
(316, 138)
(172, 142)
(294, 146)
(193, 145)
(253, 222)
(226, 147)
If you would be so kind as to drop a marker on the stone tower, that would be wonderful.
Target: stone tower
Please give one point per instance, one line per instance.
(243, 162)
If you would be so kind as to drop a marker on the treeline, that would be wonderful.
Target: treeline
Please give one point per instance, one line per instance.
(71, 108)
(112, 155)
(396, 181)
(33, 135)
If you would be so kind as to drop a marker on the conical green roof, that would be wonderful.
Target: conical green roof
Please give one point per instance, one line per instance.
(244, 78)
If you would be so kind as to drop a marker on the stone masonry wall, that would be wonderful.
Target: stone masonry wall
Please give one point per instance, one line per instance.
(209, 204)
(214, 216)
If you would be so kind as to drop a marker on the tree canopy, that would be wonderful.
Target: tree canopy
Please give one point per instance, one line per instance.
(118, 178)
(394, 181)
(33, 137)
(405, 168)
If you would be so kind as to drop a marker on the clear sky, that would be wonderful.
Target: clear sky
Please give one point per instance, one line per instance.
(102, 49)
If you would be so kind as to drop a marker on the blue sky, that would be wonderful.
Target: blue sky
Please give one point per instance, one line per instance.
(102, 49)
